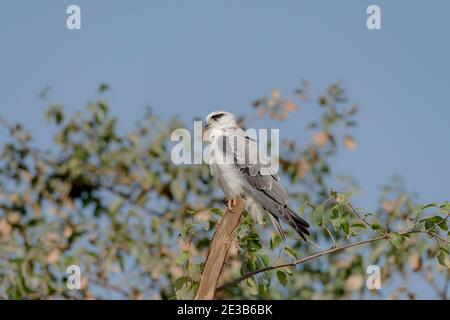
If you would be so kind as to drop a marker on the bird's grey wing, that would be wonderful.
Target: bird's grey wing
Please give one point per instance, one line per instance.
(263, 188)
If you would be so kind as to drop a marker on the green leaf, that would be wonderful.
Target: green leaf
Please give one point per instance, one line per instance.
(425, 219)
(182, 258)
(287, 270)
(442, 256)
(317, 215)
(346, 228)
(185, 292)
(429, 205)
(335, 217)
(358, 225)
(429, 225)
(217, 211)
(263, 291)
(441, 222)
(303, 207)
(251, 282)
(445, 206)
(291, 253)
(178, 284)
(345, 215)
(282, 278)
(334, 214)
(397, 240)
(103, 87)
(251, 241)
(375, 225)
(184, 232)
(275, 241)
(264, 258)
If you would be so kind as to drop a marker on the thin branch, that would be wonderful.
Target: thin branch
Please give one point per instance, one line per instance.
(327, 252)
(314, 244)
(429, 230)
(300, 261)
(438, 236)
(363, 219)
(331, 236)
(359, 216)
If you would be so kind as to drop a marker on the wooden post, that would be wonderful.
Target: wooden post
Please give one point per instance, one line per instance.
(218, 249)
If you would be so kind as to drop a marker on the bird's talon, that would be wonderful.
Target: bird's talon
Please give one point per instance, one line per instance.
(230, 203)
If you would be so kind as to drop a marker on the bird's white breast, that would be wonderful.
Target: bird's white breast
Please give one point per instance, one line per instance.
(225, 174)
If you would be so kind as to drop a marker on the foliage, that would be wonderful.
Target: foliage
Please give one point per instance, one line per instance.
(139, 226)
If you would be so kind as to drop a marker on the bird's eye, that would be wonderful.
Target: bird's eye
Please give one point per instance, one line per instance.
(217, 116)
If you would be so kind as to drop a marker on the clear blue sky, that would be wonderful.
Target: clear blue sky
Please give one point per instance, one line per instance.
(189, 57)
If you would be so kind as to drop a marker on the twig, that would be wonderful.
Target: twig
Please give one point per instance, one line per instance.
(438, 236)
(331, 236)
(363, 219)
(359, 216)
(314, 244)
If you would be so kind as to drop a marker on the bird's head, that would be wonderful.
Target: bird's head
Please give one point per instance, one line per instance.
(220, 120)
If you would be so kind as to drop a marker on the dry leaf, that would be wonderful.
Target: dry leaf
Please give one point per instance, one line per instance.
(321, 138)
(415, 261)
(68, 231)
(183, 245)
(53, 256)
(14, 217)
(354, 282)
(276, 94)
(349, 142)
(389, 205)
(262, 112)
(302, 168)
(5, 228)
(14, 198)
(289, 106)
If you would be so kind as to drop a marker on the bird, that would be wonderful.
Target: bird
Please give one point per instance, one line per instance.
(242, 171)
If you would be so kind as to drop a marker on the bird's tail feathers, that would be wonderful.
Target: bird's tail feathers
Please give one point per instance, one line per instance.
(281, 212)
(299, 224)
(277, 225)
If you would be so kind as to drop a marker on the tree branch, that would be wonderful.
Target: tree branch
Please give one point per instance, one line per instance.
(300, 261)
(330, 251)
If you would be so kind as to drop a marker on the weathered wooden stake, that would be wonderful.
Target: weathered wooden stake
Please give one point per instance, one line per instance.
(218, 249)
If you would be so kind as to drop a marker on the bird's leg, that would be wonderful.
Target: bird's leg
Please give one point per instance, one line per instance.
(230, 203)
